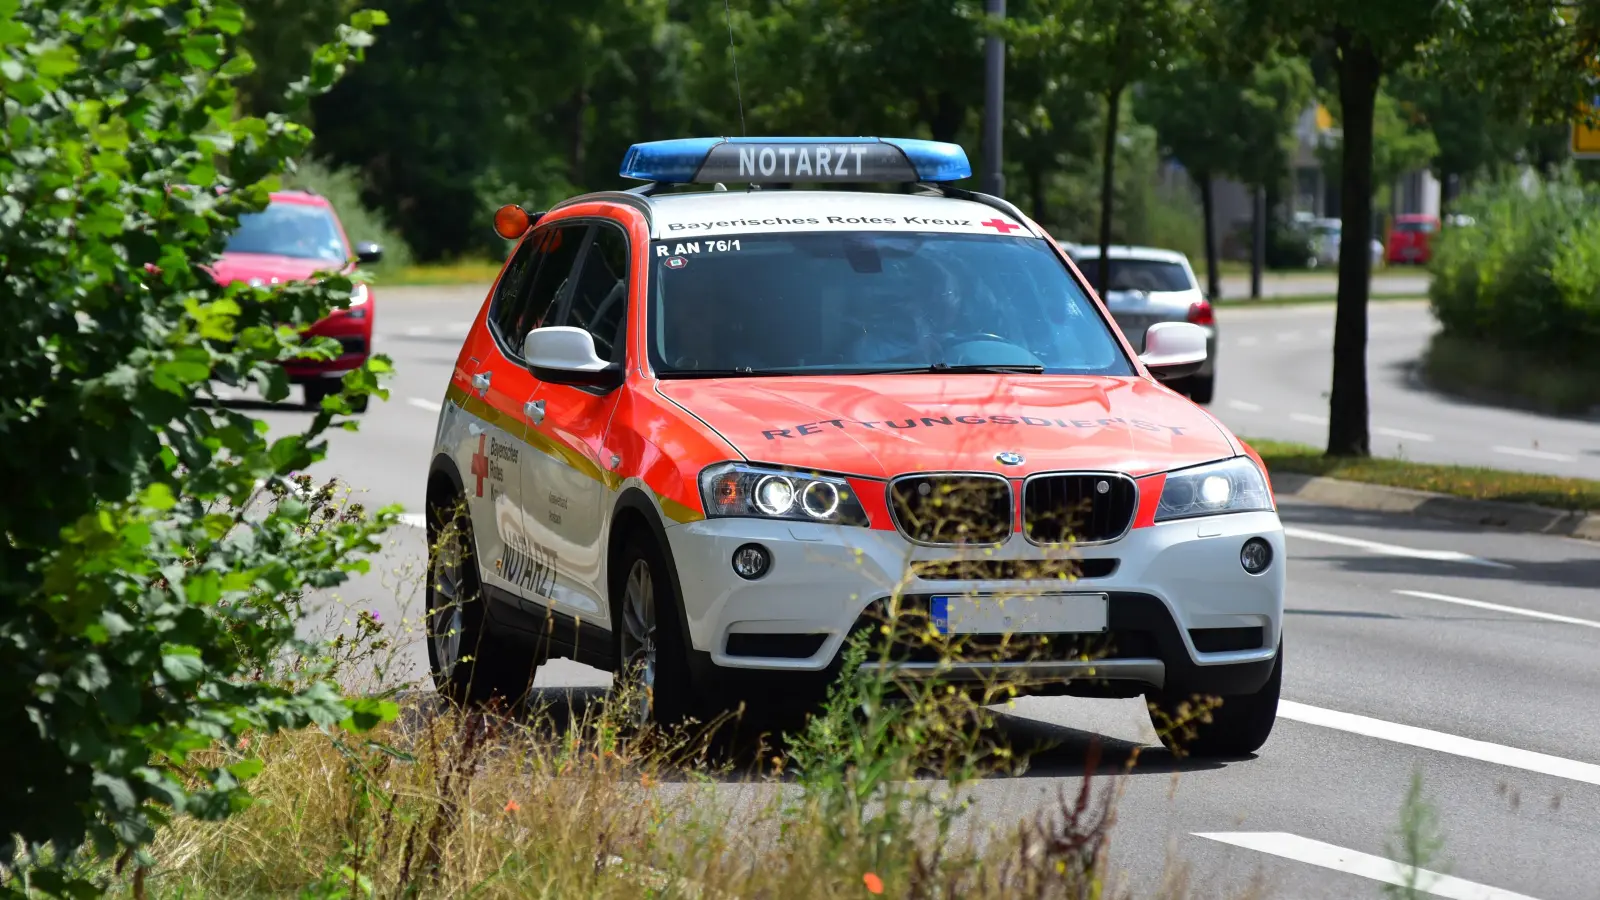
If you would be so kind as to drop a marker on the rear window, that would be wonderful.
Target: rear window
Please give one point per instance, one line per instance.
(862, 302)
(1139, 274)
(1422, 227)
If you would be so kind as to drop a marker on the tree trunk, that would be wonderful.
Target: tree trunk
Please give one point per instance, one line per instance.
(1107, 187)
(1359, 73)
(1036, 191)
(1207, 208)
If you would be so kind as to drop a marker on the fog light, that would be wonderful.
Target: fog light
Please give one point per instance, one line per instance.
(751, 561)
(1255, 555)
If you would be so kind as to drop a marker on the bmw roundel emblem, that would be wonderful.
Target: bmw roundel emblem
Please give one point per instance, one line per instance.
(1009, 458)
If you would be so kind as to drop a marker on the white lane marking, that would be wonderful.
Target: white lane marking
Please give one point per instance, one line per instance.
(458, 328)
(1402, 434)
(1249, 341)
(1514, 610)
(421, 403)
(1324, 332)
(1392, 549)
(1288, 336)
(1483, 751)
(1309, 419)
(1534, 454)
(1247, 407)
(419, 331)
(1353, 862)
(415, 520)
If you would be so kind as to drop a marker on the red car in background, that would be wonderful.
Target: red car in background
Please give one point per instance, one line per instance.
(1410, 239)
(296, 236)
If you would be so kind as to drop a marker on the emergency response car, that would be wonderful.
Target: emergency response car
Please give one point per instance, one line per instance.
(700, 436)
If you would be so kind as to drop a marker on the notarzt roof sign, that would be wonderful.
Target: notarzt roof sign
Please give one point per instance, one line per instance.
(796, 159)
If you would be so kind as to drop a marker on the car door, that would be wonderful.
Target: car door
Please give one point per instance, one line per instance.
(490, 447)
(526, 565)
(571, 483)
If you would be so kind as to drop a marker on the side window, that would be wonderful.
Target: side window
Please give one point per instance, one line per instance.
(554, 251)
(600, 297)
(506, 306)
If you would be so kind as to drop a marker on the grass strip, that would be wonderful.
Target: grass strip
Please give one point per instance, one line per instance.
(1297, 299)
(466, 271)
(1459, 481)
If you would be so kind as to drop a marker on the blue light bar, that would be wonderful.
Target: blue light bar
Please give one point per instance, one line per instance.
(795, 159)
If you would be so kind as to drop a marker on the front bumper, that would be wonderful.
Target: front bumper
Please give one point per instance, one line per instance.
(1183, 613)
(352, 328)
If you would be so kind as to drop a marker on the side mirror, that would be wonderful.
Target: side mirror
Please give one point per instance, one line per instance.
(368, 252)
(1173, 350)
(562, 354)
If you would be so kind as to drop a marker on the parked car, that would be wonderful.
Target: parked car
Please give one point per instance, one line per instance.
(298, 235)
(1147, 285)
(1411, 238)
(1326, 234)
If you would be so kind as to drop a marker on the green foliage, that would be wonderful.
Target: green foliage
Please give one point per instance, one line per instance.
(1419, 842)
(147, 570)
(1401, 142)
(1526, 276)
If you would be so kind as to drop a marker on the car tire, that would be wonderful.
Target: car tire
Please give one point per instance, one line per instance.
(1201, 388)
(468, 663)
(315, 390)
(650, 645)
(1238, 727)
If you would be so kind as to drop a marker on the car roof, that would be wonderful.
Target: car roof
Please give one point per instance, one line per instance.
(1129, 251)
(693, 214)
(303, 197)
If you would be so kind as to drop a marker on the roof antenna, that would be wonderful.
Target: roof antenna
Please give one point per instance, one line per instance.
(732, 50)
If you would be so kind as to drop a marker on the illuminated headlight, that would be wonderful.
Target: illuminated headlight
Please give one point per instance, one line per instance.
(358, 294)
(1233, 485)
(735, 489)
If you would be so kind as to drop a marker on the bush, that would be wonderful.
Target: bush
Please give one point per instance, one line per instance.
(1525, 277)
(343, 189)
(147, 570)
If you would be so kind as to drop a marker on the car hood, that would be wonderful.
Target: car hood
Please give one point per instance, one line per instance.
(231, 267)
(885, 425)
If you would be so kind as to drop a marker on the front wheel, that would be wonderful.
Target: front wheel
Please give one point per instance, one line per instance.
(1236, 728)
(652, 661)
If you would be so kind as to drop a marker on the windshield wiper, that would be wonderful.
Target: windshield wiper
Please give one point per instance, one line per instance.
(940, 368)
(736, 372)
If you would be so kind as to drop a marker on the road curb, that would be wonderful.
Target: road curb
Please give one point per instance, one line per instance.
(1461, 510)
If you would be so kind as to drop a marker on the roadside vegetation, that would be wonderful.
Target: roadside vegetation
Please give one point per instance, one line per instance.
(1460, 481)
(1518, 296)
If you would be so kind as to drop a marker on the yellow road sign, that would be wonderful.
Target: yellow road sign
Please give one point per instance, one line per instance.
(1585, 141)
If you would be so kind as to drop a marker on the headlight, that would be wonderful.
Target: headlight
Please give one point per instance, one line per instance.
(358, 294)
(736, 489)
(1233, 485)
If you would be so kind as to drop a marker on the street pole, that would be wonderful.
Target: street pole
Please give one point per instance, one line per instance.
(994, 181)
(1258, 255)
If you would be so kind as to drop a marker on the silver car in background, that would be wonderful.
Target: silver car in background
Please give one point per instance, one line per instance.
(1147, 285)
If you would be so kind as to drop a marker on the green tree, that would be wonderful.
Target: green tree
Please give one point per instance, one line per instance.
(147, 580)
(1115, 44)
(1401, 142)
(1220, 123)
(1364, 41)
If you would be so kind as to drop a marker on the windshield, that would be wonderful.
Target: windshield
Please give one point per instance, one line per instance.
(1424, 227)
(1139, 274)
(290, 229)
(837, 302)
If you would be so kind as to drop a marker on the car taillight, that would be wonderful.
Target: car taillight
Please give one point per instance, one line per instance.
(1200, 313)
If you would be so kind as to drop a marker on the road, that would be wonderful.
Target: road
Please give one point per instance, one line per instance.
(1394, 664)
(1275, 367)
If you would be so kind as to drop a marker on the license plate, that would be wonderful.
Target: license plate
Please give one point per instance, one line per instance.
(1026, 614)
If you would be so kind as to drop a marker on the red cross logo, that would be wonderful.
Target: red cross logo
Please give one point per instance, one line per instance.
(480, 463)
(1002, 227)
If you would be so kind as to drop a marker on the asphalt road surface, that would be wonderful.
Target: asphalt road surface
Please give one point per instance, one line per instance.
(1275, 367)
(1470, 658)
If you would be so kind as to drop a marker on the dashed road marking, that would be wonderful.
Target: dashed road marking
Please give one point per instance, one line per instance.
(1483, 751)
(1288, 336)
(1534, 454)
(1514, 610)
(1392, 549)
(1242, 405)
(1249, 341)
(1351, 862)
(1402, 434)
(423, 403)
(415, 520)
(1309, 419)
